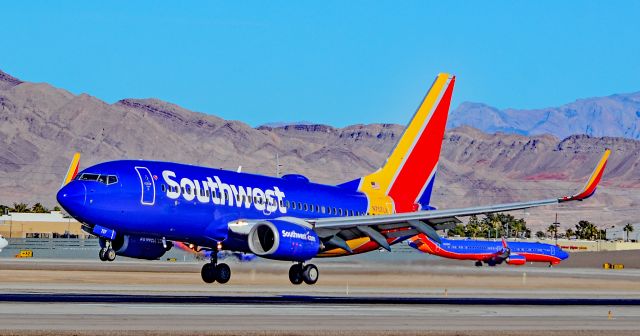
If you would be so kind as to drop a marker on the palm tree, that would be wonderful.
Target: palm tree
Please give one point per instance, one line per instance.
(552, 230)
(628, 229)
(569, 232)
(20, 207)
(39, 208)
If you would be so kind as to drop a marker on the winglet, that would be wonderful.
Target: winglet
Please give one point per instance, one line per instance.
(73, 169)
(592, 183)
(504, 243)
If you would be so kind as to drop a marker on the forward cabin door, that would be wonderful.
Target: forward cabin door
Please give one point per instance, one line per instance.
(148, 186)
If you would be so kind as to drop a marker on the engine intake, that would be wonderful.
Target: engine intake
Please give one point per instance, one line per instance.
(515, 259)
(283, 240)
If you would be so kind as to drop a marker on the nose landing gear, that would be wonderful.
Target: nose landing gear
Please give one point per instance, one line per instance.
(299, 273)
(107, 253)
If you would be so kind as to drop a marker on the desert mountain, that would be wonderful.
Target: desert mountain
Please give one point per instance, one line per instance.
(616, 115)
(41, 126)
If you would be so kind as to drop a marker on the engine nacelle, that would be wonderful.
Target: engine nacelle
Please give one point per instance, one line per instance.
(139, 247)
(283, 240)
(515, 259)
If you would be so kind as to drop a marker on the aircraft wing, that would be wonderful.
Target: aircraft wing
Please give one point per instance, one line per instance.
(377, 227)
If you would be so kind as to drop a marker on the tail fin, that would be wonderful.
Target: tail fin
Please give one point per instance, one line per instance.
(73, 169)
(408, 174)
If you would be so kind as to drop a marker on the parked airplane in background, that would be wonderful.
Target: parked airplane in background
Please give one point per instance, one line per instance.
(138, 208)
(3, 243)
(490, 252)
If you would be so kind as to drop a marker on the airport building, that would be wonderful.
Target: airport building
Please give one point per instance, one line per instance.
(40, 225)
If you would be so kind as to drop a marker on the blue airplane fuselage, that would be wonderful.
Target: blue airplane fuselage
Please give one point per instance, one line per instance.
(195, 204)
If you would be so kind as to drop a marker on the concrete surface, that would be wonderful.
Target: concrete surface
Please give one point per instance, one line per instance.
(365, 297)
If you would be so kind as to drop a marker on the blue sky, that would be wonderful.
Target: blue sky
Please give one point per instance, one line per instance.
(334, 62)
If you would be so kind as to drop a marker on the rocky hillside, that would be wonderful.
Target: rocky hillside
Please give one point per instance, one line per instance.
(41, 126)
(616, 115)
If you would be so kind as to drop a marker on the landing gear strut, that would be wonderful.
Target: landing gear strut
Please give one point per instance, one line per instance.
(299, 273)
(212, 271)
(107, 253)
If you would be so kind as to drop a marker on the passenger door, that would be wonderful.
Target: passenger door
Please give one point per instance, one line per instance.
(148, 186)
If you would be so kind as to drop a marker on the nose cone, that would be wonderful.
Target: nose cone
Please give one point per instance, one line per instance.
(563, 255)
(72, 197)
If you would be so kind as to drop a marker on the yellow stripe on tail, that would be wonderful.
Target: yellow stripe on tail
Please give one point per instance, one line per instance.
(73, 169)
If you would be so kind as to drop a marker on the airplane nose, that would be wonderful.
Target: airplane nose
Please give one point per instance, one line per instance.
(563, 255)
(72, 196)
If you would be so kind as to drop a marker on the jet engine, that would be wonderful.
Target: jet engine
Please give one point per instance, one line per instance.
(283, 240)
(515, 259)
(139, 247)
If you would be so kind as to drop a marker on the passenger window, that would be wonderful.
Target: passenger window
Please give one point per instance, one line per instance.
(300, 205)
(329, 210)
(322, 209)
(164, 188)
(288, 204)
(293, 205)
(306, 208)
(339, 212)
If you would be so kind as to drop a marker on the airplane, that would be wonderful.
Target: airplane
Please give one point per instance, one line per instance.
(3, 243)
(491, 253)
(138, 208)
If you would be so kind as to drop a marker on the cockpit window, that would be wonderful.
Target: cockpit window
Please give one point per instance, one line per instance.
(89, 177)
(104, 179)
(112, 179)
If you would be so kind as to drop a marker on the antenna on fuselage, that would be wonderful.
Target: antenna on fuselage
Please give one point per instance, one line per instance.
(278, 165)
(239, 170)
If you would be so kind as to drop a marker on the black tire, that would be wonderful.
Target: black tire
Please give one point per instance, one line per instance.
(102, 254)
(208, 273)
(223, 273)
(295, 274)
(310, 274)
(479, 263)
(110, 254)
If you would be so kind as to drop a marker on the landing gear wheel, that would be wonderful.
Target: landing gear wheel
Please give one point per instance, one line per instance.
(310, 274)
(295, 274)
(223, 273)
(479, 263)
(208, 273)
(110, 255)
(102, 254)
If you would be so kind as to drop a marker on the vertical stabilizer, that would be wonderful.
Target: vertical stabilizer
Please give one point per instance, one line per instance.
(406, 179)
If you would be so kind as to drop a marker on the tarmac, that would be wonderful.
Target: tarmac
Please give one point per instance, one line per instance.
(78, 297)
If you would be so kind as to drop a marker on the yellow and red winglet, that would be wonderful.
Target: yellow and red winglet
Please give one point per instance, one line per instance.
(73, 169)
(592, 183)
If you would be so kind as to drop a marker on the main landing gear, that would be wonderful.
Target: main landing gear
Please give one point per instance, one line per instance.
(478, 263)
(308, 273)
(212, 271)
(107, 253)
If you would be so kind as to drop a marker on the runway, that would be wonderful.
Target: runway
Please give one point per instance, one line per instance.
(317, 319)
(305, 300)
(143, 298)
